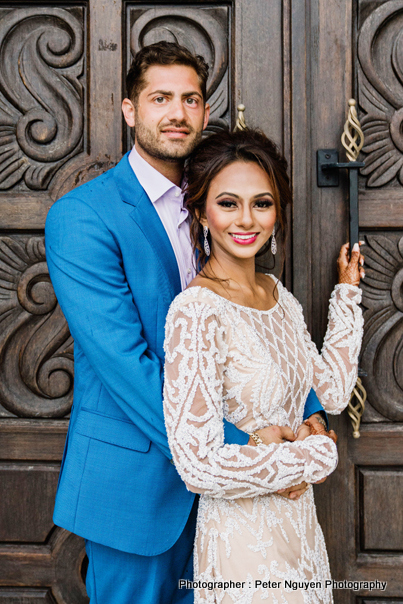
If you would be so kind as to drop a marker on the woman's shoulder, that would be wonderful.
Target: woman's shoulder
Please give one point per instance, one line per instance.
(195, 297)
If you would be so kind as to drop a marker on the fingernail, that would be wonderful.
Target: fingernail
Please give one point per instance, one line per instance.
(356, 247)
(362, 261)
(363, 276)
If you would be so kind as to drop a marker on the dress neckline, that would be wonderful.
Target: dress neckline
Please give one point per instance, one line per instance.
(245, 308)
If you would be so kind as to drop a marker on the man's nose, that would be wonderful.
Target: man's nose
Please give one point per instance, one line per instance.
(176, 110)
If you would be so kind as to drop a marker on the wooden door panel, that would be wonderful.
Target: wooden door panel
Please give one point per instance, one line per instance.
(356, 51)
(26, 596)
(36, 371)
(48, 145)
(27, 492)
(382, 358)
(61, 125)
(61, 82)
(379, 489)
(379, 546)
(42, 105)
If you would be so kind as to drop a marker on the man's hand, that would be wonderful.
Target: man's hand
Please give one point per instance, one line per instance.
(303, 431)
(280, 434)
(317, 428)
(294, 492)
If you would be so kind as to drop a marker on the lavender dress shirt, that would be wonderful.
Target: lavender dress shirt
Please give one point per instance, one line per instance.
(167, 200)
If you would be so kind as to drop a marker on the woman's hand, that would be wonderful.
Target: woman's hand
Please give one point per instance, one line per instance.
(303, 431)
(274, 434)
(350, 271)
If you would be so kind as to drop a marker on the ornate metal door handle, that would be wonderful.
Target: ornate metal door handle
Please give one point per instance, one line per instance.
(240, 123)
(328, 176)
(356, 406)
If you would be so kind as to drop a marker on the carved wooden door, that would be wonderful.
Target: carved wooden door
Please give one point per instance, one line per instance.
(356, 50)
(62, 67)
(294, 65)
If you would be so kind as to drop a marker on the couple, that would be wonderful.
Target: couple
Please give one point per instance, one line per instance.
(239, 363)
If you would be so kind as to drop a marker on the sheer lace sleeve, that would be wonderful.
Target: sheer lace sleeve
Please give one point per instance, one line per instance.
(196, 348)
(335, 369)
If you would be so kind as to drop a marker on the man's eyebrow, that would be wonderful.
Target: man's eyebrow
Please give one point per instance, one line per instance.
(162, 92)
(193, 93)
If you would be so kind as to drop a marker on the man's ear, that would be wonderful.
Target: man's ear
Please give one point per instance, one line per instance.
(128, 112)
(206, 115)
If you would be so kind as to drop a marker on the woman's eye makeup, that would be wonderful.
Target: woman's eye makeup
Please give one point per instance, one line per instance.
(264, 203)
(260, 204)
(227, 203)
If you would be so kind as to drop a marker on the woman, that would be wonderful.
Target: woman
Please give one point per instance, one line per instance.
(237, 347)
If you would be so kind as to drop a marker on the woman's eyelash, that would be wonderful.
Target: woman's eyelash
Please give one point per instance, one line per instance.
(226, 203)
(266, 203)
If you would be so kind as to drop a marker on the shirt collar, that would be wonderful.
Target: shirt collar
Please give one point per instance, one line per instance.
(153, 182)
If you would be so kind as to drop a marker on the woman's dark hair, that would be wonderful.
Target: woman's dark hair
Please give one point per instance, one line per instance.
(163, 53)
(219, 151)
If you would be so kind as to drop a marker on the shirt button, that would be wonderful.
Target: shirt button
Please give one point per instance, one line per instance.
(189, 271)
(177, 193)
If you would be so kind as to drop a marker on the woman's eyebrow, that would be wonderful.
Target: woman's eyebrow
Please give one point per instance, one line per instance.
(266, 193)
(225, 193)
(263, 194)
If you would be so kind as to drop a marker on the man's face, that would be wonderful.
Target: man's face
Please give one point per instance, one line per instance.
(169, 115)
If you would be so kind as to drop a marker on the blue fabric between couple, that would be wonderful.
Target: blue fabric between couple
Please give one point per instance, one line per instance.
(115, 274)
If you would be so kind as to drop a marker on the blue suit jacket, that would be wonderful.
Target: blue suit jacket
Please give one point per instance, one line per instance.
(115, 274)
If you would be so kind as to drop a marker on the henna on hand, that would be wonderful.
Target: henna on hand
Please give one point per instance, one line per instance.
(350, 271)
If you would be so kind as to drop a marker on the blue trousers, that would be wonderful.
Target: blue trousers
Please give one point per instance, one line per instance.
(116, 577)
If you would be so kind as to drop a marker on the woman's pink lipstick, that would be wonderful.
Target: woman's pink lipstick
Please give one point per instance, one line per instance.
(244, 238)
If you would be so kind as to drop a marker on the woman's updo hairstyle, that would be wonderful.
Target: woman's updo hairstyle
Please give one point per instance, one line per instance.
(219, 151)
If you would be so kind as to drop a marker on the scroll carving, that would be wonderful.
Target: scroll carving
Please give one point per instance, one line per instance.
(36, 349)
(380, 54)
(383, 339)
(41, 95)
(70, 564)
(204, 31)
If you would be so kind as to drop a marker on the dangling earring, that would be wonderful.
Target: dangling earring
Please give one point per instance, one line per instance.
(273, 242)
(206, 245)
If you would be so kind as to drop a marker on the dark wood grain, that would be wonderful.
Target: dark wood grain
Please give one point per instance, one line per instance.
(294, 65)
(36, 349)
(347, 506)
(24, 439)
(381, 489)
(42, 95)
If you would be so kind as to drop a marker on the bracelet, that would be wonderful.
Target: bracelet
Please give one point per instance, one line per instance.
(255, 436)
(321, 421)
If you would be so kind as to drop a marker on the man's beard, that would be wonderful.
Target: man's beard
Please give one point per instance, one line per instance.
(171, 149)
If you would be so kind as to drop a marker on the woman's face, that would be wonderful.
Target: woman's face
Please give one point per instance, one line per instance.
(240, 210)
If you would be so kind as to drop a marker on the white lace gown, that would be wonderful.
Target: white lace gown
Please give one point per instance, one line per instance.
(255, 368)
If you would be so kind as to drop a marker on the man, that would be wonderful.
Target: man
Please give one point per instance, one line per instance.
(119, 251)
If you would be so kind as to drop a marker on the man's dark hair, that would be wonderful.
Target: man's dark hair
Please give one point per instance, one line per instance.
(163, 53)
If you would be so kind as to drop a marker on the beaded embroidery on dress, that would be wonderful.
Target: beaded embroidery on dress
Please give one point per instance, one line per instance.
(255, 368)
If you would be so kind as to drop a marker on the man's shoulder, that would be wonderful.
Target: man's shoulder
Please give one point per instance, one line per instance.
(100, 189)
(102, 192)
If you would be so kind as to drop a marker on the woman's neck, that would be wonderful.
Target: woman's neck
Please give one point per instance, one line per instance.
(235, 274)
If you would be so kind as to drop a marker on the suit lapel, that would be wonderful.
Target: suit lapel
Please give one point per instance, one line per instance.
(147, 219)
